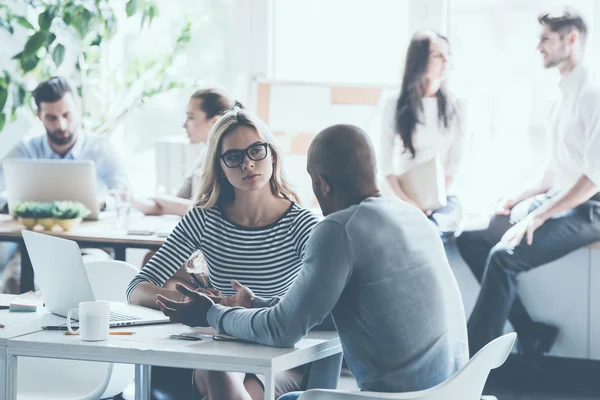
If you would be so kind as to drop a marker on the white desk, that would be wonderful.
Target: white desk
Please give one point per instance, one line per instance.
(18, 324)
(151, 346)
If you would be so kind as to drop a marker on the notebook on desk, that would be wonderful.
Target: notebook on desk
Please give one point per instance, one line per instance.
(425, 184)
(64, 283)
(159, 226)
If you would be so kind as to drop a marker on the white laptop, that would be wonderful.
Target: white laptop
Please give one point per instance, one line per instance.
(60, 272)
(51, 180)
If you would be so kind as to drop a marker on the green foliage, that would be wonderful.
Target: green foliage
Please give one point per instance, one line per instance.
(92, 22)
(58, 55)
(69, 210)
(57, 209)
(34, 209)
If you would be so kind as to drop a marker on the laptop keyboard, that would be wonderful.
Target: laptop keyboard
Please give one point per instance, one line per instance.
(118, 317)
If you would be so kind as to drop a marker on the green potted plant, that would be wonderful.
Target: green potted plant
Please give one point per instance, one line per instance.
(45, 215)
(26, 214)
(68, 214)
(32, 213)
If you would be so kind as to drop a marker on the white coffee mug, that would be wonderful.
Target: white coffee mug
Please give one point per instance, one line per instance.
(94, 320)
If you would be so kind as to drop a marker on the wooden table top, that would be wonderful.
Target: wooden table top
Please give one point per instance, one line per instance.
(104, 230)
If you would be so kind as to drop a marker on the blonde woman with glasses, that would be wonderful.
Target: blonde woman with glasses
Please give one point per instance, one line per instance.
(248, 227)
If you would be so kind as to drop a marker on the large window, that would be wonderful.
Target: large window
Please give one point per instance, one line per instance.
(206, 62)
(339, 41)
(508, 94)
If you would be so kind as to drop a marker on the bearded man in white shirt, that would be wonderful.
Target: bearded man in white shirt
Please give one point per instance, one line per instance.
(559, 215)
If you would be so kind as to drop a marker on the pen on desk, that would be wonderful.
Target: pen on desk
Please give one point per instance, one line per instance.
(118, 333)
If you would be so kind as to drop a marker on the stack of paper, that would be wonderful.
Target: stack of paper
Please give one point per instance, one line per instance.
(26, 302)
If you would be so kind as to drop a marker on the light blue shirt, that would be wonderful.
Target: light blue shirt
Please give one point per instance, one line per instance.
(110, 169)
(380, 268)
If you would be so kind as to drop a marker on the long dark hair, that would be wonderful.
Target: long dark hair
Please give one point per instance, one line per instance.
(409, 106)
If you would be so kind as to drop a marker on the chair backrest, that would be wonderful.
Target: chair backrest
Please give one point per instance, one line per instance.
(46, 378)
(466, 384)
(109, 278)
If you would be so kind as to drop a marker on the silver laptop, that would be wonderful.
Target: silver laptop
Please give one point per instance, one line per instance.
(60, 272)
(51, 180)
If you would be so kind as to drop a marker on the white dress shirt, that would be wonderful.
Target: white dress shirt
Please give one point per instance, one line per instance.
(430, 138)
(575, 128)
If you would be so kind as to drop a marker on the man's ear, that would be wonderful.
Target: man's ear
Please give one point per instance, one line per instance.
(37, 113)
(324, 186)
(573, 36)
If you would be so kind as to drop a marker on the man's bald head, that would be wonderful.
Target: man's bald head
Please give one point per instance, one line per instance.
(344, 156)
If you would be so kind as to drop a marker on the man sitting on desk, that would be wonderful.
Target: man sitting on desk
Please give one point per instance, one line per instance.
(58, 111)
(376, 263)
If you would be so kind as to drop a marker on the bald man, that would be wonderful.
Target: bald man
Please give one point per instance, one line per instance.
(376, 263)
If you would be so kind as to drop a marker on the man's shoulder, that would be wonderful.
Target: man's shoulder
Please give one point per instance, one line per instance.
(96, 147)
(381, 204)
(93, 140)
(28, 147)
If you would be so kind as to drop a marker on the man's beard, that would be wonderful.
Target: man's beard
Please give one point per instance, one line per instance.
(554, 62)
(60, 140)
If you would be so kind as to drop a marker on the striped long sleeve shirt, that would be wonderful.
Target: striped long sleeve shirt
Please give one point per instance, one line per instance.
(265, 259)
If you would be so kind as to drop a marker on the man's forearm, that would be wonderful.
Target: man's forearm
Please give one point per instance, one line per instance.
(260, 302)
(579, 193)
(542, 187)
(323, 277)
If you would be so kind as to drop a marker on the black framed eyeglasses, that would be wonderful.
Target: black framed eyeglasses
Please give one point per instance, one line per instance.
(255, 152)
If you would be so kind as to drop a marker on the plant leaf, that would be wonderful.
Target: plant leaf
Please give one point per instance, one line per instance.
(29, 63)
(17, 56)
(144, 18)
(97, 40)
(2, 121)
(18, 95)
(81, 23)
(51, 39)
(23, 22)
(152, 13)
(3, 97)
(175, 85)
(58, 55)
(35, 42)
(131, 7)
(45, 19)
(6, 25)
(67, 15)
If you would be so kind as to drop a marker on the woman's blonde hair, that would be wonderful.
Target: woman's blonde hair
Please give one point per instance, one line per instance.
(215, 189)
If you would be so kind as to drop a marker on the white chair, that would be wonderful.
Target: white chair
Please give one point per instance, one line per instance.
(61, 379)
(466, 384)
(81, 380)
(109, 280)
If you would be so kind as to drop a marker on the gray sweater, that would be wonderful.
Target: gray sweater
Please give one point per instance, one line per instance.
(380, 268)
